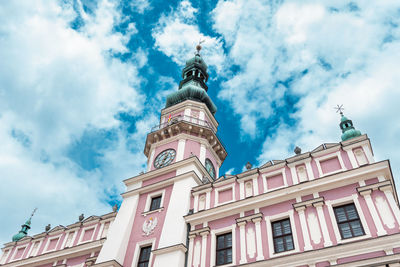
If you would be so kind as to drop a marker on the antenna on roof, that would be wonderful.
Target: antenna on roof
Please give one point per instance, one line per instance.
(33, 212)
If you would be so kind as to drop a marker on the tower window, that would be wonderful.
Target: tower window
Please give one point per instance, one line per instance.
(348, 221)
(282, 234)
(224, 249)
(155, 203)
(144, 257)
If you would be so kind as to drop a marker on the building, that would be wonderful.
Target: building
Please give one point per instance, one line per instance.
(333, 206)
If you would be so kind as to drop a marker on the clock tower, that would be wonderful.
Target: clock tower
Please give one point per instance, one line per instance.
(183, 152)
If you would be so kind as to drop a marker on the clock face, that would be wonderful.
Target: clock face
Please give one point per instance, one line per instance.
(164, 158)
(210, 168)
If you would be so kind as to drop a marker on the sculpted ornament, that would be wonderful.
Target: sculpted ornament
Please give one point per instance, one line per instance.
(149, 225)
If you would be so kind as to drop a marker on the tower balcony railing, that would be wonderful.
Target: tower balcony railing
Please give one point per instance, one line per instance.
(186, 118)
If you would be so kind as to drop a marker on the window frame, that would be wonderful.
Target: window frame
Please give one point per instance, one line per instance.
(139, 245)
(156, 201)
(147, 210)
(331, 204)
(140, 254)
(225, 248)
(282, 235)
(348, 221)
(214, 234)
(280, 216)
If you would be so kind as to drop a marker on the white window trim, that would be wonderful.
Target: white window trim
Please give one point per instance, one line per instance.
(75, 232)
(277, 217)
(327, 157)
(37, 251)
(343, 201)
(272, 174)
(223, 188)
(242, 188)
(45, 250)
(94, 227)
(148, 202)
(138, 246)
(5, 255)
(15, 252)
(214, 234)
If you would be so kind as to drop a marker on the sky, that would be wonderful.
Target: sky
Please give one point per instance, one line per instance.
(83, 81)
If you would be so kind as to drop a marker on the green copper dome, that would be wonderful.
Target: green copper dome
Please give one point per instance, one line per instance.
(348, 130)
(193, 86)
(23, 232)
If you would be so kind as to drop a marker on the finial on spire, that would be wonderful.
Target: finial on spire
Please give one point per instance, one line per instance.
(339, 109)
(198, 46)
(33, 212)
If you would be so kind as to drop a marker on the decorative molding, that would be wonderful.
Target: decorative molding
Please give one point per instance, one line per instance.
(284, 194)
(177, 247)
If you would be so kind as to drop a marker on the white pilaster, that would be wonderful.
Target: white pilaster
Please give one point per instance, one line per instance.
(203, 248)
(115, 246)
(304, 228)
(309, 171)
(190, 253)
(241, 190)
(181, 149)
(322, 222)
(377, 220)
(255, 186)
(180, 200)
(151, 158)
(242, 231)
(294, 175)
(260, 252)
(368, 153)
(203, 154)
(352, 158)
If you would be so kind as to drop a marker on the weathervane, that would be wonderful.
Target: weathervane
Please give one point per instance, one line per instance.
(198, 46)
(33, 213)
(339, 109)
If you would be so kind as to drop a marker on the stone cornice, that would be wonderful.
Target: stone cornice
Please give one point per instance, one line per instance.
(249, 218)
(177, 247)
(308, 203)
(371, 187)
(163, 183)
(291, 192)
(112, 263)
(200, 231)
(172, 167)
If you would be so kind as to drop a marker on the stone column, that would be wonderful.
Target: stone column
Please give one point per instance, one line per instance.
(321, 217)
(203, 248)
(260, 252)
(190, 252)
(377, 221)
(304, 227)
(242, 229)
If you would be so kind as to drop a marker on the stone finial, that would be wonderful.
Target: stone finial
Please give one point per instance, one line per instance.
(115, 208)
(248, 166)
(81, 217)
(297, 150)
(47, 228)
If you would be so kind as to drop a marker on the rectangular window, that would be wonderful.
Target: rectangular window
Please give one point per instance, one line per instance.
(282, 234)
(224, 249)
(348, 221)
(155, 203)
(144, 256)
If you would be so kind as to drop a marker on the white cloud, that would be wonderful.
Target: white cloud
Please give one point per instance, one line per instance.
(176, 35)
(55, 84)
(328, 54)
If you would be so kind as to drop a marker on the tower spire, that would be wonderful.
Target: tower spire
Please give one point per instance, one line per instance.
(24, 228)
(193, 84)
(346, 125)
